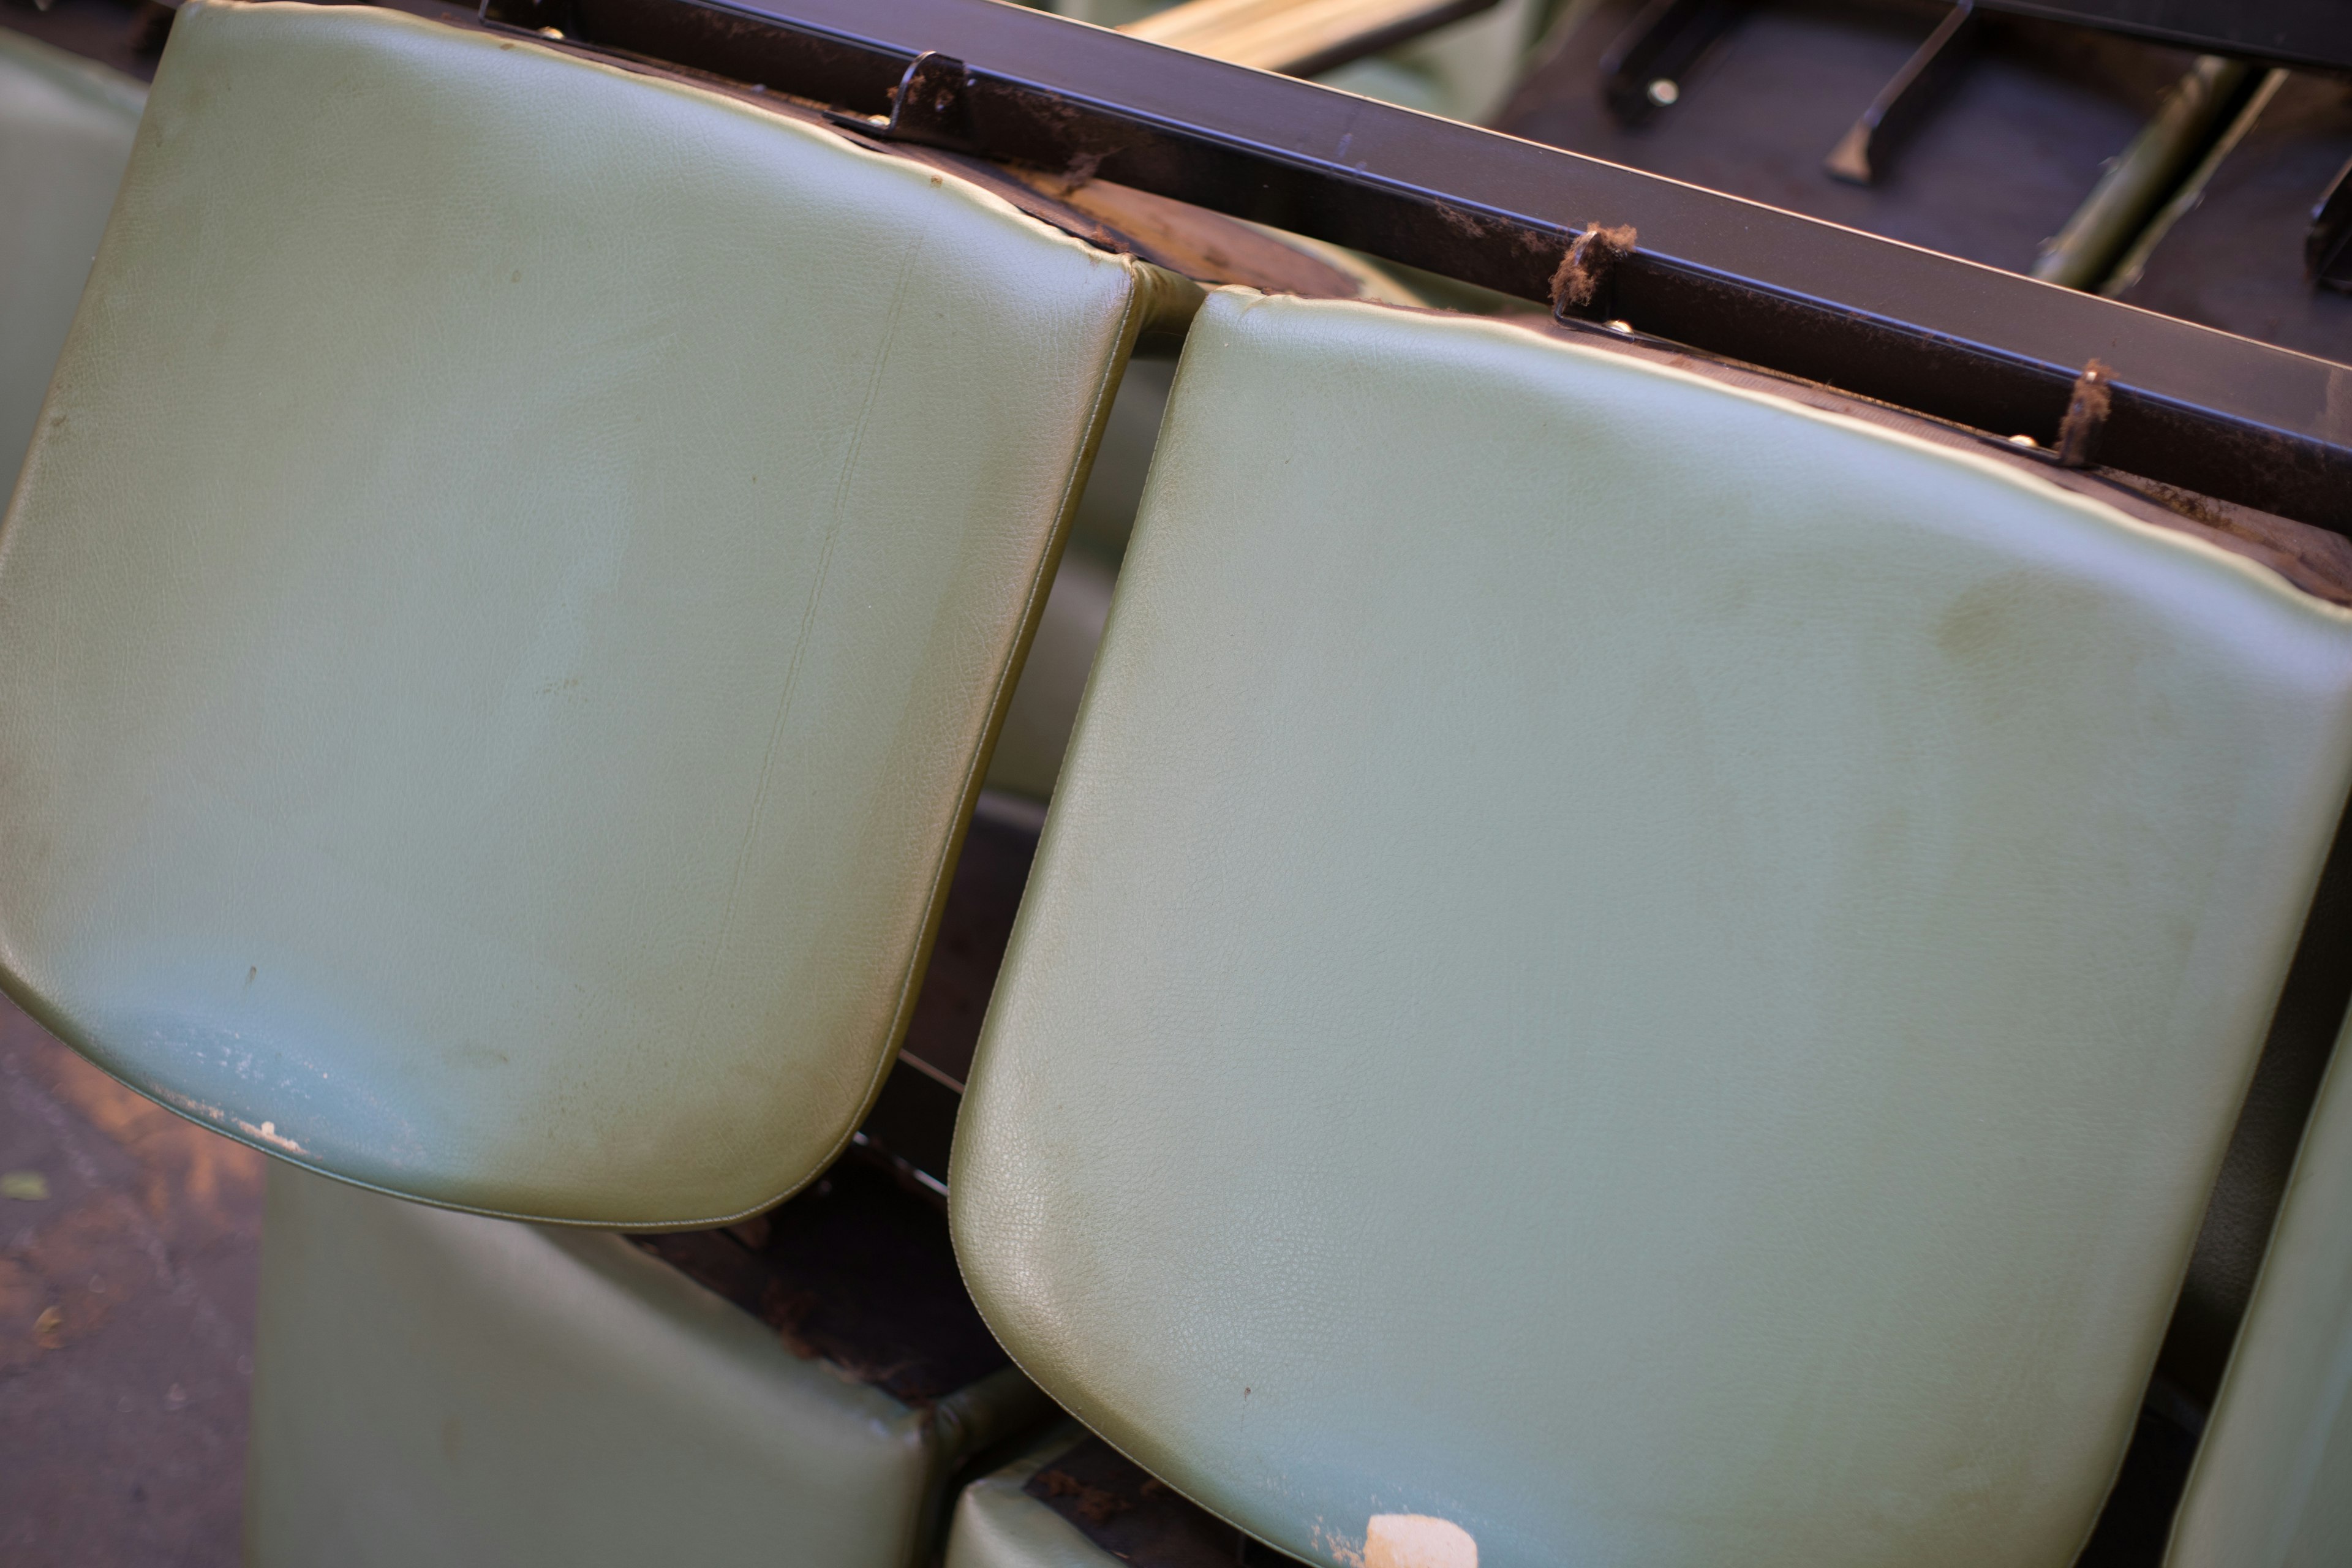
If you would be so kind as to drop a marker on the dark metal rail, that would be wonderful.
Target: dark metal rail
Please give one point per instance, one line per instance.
(2192, 407)
(2310, 32)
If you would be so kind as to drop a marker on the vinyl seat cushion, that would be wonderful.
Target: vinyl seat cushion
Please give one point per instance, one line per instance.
(507, 606)
(448, 1388)
(998, 1524)
(1071, 1501)
(1649, 972)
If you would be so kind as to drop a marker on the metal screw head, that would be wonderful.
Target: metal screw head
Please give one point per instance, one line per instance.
(1663, 92)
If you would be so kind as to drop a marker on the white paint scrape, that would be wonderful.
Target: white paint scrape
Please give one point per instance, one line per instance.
(1417, 1541)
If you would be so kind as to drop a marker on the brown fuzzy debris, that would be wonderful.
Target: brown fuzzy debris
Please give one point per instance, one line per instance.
(2086, 412)
(1094, 1505)
(1586, 264)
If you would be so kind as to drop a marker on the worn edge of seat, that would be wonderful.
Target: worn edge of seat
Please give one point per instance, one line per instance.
(1159, 301)
(2243, 549)
(2313, 560)
(1190, 242)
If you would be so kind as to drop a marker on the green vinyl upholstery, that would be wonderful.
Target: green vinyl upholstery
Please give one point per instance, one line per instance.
(1626, 971)
(2273, 1483)
(998, 1524)
(445, 1388)
(66, 127)
(505, 615)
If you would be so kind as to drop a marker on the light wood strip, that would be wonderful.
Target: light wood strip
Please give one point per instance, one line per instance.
(1278, 35)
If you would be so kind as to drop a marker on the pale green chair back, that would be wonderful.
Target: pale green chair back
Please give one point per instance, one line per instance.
(1624, 969)
(507, 611)
(66, 128)
(2272, 1482)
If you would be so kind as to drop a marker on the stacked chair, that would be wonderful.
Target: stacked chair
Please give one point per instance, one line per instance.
(1632, 962)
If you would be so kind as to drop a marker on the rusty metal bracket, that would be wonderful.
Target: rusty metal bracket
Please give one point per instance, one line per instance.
(2086, 416)
(931, 107)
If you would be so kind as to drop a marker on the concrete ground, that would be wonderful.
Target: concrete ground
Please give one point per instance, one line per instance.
(130, 1253)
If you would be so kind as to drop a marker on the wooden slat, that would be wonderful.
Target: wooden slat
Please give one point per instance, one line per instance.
(1286, 35)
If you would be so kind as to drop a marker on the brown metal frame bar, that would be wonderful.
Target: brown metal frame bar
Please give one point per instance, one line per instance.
(2192, 407)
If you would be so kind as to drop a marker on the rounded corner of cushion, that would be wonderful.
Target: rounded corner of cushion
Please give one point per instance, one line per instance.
(18, 988)
(972, 1197)
(1007, 1295)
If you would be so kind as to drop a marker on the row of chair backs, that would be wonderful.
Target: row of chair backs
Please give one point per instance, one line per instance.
(1623, 969)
